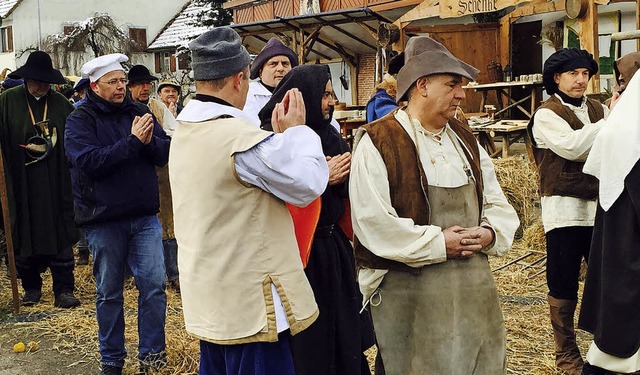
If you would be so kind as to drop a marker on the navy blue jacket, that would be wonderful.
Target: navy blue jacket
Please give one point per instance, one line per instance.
(113, 174)
(379, 105)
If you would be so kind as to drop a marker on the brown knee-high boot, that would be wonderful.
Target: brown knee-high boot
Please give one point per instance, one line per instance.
(568, 357)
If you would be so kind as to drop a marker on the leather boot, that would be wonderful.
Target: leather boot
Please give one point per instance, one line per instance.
(568, 358)
(83, 257)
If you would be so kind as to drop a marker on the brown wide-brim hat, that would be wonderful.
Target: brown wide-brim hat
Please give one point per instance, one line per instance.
(39, 68)
(425, 56)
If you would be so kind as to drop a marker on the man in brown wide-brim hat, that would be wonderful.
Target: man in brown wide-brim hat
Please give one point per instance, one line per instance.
(427, 210)
(32, 124)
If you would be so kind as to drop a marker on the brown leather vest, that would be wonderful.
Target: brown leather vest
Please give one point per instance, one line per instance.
(559, 176)
(407, 181)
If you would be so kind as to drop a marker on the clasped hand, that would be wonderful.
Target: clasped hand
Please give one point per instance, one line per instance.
(142, 128)
(339, 167)
(464, 243)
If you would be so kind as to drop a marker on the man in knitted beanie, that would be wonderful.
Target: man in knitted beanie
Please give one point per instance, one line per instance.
(563, 130)
(244, 291)
(269, 67)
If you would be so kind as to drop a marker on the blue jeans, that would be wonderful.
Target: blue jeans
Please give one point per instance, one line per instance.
(136, 242)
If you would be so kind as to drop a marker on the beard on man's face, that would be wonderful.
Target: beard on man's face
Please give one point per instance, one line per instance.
(327, 113)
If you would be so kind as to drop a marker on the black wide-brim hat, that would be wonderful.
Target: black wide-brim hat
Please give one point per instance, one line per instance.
(39, 68)
(140, 73)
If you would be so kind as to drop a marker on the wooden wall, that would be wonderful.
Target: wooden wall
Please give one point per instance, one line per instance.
(269, 10)
(476, 44)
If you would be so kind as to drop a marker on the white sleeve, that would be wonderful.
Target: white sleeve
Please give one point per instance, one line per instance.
(289, 165)
(496, 210)
(552, 132)
(375, 221)
(169, 123)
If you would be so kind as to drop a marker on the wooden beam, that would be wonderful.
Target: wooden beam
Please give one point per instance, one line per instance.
(394, 5)
(501, 4)
(425, 9)
(346, 56)
(505, 41)
(450, 28)
(625, 35)
(312, 36)
(537, 8)
(265, 30)
(338, 50)
(589, 40)
(345, 32)
(236, 3)
(370, 30)
(308, 44)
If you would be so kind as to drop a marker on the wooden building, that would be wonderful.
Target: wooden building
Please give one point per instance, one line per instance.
(354, 33)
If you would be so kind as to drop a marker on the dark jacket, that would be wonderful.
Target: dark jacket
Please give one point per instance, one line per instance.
(379, 105)
(113, 174)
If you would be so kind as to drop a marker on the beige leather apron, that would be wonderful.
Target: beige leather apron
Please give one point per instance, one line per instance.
(445, 320)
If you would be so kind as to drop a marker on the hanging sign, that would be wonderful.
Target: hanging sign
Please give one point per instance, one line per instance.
(459, 8)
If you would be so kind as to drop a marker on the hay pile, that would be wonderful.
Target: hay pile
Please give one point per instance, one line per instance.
(522, 292)
(519, 181)
(76, 330)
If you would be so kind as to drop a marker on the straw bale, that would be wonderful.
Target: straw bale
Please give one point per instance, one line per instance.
(533, 236)
(518, 178)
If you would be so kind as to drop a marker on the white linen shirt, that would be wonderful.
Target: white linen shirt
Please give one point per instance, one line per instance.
(550, 131)
(377, 224)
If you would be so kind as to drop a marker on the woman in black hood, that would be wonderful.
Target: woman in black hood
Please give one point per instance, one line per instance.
(334, 344)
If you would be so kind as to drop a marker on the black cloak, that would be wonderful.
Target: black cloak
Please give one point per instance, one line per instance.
(334, 343)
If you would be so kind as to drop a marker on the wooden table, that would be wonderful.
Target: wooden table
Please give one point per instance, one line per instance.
(509, 130)
(348, 127)
(502, 90)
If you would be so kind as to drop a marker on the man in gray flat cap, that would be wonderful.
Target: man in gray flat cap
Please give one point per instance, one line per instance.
(244, 290)
(427, 210)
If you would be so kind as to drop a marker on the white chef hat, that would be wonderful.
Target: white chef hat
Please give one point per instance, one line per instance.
(96, 68)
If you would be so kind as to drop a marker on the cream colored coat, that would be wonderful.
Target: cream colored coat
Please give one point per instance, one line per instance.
(235, 240)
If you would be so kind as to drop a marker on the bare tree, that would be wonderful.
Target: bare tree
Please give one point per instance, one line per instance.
(99, 33)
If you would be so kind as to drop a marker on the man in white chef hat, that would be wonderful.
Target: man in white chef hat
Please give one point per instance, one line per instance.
(114, 145)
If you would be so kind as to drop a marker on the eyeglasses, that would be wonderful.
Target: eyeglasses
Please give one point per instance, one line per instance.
(113, 82)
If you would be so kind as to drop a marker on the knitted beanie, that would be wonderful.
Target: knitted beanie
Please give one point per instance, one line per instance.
(218, 53)
(274, 47)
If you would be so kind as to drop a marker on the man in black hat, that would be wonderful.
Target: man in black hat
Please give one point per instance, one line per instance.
(32, 124)
(427, 210)
(139, 86)
(563, 130)
(140, 81)
(269, 67)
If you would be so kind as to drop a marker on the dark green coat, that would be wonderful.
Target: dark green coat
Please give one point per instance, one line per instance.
(40, 199)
